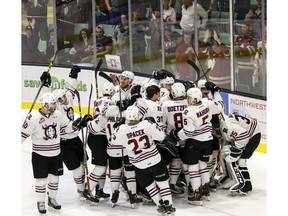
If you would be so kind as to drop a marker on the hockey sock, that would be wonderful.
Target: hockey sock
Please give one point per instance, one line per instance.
(204, 172)
(153, 191)
(95, 176)
(174, 170)
(165, 191)
(40, 189)
(115, 179)
(194, 175)
(53, 185)
(79, 178)
(131, 181)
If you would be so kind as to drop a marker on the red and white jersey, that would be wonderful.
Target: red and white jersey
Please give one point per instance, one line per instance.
(164, 92)
(149, 108)
(239, 129)
(44, 132)
(97, 126)
(100, 104)
(139, 141)
(172, 111)
(197, 119)
(67, 116)
(112, 115)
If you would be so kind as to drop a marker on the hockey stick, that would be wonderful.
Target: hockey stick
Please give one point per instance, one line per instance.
(105, 76)
(48, 71)
(100, 62)
(193, 65)
(85, 143)
(84, 147)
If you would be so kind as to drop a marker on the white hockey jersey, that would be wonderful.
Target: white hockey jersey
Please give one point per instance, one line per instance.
(112, 115)
(172, 111)
(44, 132)
(139, 141)
(125, 93)
(239, 129)
(197, 119)
(67, 116)
(149, 108)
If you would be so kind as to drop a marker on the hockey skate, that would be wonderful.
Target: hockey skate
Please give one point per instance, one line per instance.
(161, 208)
(196, 197)
(100, 193)
(244, 190)
(205, 192)
(134, 199)
(146, 200)
(81, 196)
(169, 210)
(235, 189)
(41, 207)
(115, 197)
(89, 197)
(53, 204)
(176, 190)
(213, 184)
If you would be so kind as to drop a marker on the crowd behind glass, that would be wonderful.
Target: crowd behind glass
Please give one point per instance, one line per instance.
(227, 36)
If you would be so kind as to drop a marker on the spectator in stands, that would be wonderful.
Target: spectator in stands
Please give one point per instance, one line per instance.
(184, 52)
(169, 13)
(116, 8)
(245, 49)
(177, 5)
(82, 50)
(217, 54)
(38, 10)
(102, 13)
(121, 40)
(104, 43)
(219, 5)
(188, 16)
(139, 29)
(30, 52)
(254, 15)
(172, 39)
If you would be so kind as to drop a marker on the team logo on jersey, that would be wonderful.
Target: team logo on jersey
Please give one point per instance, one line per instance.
(50, 131)
(70, 113)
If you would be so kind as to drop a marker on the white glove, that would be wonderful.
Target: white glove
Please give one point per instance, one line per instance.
(225, 151)
(230, 159)
(211, 63)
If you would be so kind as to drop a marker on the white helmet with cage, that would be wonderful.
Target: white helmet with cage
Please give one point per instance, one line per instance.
(108, 89)
(178, 90)
(201, 83)
(47, 98)
(195, 94)
(132, 113)
(167, 80)
(128, 74)
(59, 93)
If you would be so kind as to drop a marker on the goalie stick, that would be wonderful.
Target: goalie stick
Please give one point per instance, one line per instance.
(69, 45)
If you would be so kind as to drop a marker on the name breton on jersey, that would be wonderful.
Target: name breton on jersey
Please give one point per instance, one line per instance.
(176, 108)
(135, 133)
(203, 112)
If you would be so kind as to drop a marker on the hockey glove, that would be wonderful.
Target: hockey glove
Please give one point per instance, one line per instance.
(211, 86)
(85, 120)
(74, 72)
(150, 119)
(188, 85)
(170, 145)
(76, 124)
(119, 122)
(174, 134)
(135, 93)
(46, 79)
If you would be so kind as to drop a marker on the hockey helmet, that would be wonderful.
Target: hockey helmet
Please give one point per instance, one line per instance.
(132, 113)
(195, 94)
(108, 89)
(47, 98)
(128, 74)
(178, 90)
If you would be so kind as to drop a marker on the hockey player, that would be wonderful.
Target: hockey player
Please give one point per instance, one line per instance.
(43, 126)
(244, 135)
(197, 130)
(97, 142)
(172, 110)
(151, 172)
(71, 145)
(117, 155)
(126, 80)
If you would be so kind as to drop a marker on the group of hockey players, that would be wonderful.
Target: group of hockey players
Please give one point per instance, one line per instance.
(157, 138)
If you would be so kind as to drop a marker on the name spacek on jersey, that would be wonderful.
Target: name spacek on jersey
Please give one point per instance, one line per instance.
(139, 141)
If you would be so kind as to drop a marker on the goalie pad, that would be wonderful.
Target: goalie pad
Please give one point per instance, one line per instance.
(170, 145)
(237, 176)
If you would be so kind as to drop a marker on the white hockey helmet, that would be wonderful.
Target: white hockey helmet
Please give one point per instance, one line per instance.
(116, 97)
(58, 94)
(47, 98)
(195, 94)
(132, 113)
(108, 89)
(128, 74)
(167, 80)
(201, 83)
(178, 90)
